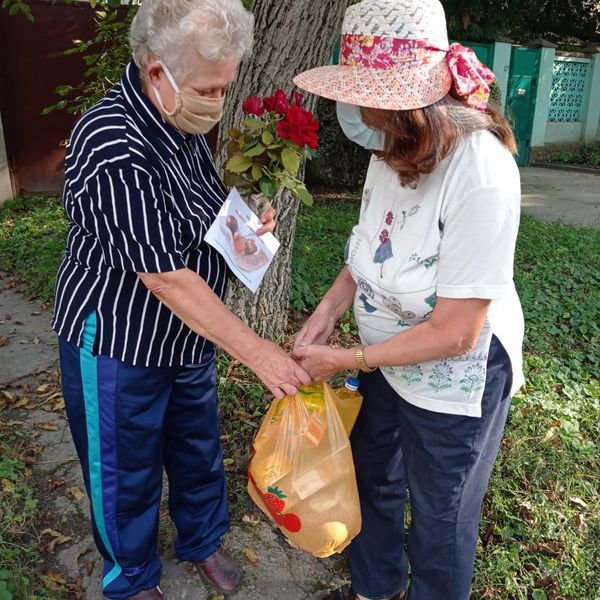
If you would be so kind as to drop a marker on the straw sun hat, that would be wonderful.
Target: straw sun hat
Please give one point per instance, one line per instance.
(395, 55)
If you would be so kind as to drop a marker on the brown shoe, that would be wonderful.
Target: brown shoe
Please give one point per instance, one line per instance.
(153, 594)
(220, 570)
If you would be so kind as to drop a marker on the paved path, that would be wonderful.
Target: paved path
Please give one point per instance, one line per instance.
(561, 195)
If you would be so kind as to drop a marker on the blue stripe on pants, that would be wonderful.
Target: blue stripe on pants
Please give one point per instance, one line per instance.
(444, 462)
(97, 448)
(125, 421)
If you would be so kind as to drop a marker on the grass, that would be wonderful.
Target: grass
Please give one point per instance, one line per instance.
(540, 534)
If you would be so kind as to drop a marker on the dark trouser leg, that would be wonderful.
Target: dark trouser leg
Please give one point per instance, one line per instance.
(115, 414)
(194, 463)
(448, 460)
(377, 559)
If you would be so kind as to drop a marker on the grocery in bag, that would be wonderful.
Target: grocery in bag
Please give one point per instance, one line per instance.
(302, 474)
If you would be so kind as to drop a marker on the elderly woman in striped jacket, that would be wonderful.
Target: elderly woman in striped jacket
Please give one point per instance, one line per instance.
(139, 299)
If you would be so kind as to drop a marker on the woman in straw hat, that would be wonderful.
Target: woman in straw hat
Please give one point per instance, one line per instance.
(430, 274)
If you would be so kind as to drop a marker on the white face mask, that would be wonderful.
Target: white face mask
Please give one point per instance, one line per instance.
(192, 113)
(355, 129)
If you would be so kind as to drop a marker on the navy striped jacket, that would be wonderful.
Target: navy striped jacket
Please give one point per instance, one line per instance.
(140, 196)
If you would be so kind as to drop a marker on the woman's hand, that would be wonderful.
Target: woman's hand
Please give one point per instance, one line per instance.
(268, 221)
(277, 370)
(317, 330)
(320, 362)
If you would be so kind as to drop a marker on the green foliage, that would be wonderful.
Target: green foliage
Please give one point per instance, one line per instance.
(587, 155)
(32, 242)
(558, 277)
(14, 7)
(105, 56)
(18, 554)
(321, 236)
(540, 530)
(567, 20)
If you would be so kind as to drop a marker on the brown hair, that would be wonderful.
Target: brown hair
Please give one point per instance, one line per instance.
(416, 141)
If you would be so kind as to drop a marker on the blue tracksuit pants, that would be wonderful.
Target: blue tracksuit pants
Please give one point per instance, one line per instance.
(127, 424)
(443, 463)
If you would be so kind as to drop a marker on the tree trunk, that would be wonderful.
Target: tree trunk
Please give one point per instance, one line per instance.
(291, 36)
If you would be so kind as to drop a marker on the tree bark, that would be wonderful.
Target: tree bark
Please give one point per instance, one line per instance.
(291, 36)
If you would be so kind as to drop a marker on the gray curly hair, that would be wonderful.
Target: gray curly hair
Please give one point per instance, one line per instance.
(218, 30)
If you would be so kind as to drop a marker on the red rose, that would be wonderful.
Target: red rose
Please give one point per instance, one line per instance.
(277, 103)
(253, 106)
(296, 98)
(300, 126)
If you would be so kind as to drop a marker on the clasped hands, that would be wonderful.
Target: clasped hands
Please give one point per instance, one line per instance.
(311, 360)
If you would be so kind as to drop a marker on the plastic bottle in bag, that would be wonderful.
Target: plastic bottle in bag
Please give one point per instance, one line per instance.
(348, 402)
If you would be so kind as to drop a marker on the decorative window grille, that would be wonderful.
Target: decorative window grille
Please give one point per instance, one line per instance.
(568, 91)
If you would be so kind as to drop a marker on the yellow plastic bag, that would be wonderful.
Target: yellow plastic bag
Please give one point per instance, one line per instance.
(302, 474)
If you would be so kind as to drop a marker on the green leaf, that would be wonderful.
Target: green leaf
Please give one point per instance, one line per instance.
(256, 150)
(234, 133)
(290, 184)
(539, 595)
(268, 187)
(49, 109)
(268, 138)
(238, 164)
(5, 3)
(274, 156)
(251, 123)
(234, 180)
(13, 9)
(257, 171)
(305, 196)
(291, 161)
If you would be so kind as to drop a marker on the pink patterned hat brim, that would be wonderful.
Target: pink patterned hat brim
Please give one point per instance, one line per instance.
(391, 89)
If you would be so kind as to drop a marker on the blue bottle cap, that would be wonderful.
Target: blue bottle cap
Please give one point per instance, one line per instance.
(352, 384)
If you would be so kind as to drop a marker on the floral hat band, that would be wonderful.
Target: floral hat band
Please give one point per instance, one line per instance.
(471, 79)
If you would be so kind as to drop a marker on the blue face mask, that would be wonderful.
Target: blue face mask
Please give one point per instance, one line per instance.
(355, 130)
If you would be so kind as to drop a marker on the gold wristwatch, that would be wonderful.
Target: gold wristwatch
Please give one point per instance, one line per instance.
(360, 360)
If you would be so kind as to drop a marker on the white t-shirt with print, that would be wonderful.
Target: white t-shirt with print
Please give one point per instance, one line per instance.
(453, 236)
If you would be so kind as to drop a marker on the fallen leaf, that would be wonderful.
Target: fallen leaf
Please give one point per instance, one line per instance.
(228, 461)
(3, 341)
(58, 538)
(36, 313)
(59, 404)
(250, 555)
(550, 435)
(22, 402)
(47, 426)
(7, 395)
(36, 340)
(42, 388)
(13, 423)
(54, 483)
(53, 580)
(250, 519)
(23, 342)
(76, 493)
(7, 317)
(581, 525)
(578, 502)
(7, 485)
(19, 323)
